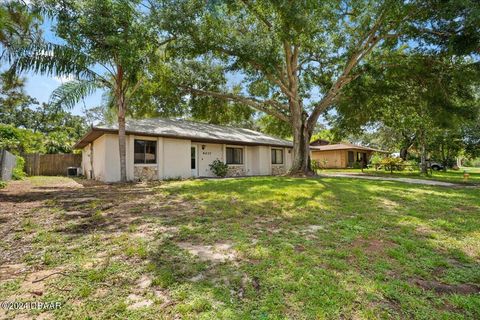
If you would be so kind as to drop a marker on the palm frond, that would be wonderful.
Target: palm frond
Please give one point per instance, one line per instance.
(54, 59)
(110, 109)
(69, 93)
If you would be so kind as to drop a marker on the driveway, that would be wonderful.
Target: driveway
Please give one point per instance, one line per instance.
(406, 180)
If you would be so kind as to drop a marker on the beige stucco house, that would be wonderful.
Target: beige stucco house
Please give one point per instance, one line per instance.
(164, 148)
(341, 155)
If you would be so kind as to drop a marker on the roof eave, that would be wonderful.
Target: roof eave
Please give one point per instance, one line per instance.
(82, 143)
(350, 148)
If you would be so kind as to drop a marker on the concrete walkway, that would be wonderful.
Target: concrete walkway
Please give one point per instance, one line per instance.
(406, 180)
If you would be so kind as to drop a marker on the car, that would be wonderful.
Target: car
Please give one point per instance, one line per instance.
(434, 165)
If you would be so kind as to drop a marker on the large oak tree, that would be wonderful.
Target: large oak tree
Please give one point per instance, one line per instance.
(295, 57)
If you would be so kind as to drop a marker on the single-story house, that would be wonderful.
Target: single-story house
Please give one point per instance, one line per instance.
(164, 148)
(319, 142)
(341, 155)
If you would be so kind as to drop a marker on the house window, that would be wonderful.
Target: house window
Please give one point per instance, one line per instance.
(234, 155)
(277, 156)
(145, 151)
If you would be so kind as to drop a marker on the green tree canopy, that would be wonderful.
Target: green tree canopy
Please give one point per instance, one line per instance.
(58, 130)
(415, 97)
(104, 44)
(296, 56)
(19, 28)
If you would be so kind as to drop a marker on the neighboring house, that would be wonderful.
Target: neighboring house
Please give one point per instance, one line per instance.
(162, 149)
(341, 155)
(319, 142)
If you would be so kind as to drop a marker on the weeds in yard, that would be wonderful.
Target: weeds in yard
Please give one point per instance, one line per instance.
(256, 248)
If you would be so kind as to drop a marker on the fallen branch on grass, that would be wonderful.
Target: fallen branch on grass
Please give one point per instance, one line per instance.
(47, 276)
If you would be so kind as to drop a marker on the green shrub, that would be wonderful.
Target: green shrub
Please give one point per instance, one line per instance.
(357, 165)
(392, 163)
(472, 162)
(411, 165)
(219, 168)
(18, 173)
(376, 159)
(3, 184)
(17, 140)
(315, 165)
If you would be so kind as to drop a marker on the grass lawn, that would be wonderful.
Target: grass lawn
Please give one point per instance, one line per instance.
(455, 176)
(251, 248)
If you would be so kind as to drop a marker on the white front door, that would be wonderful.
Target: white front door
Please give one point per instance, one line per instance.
(193, 161)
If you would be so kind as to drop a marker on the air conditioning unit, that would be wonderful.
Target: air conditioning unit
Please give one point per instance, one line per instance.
(74, 171)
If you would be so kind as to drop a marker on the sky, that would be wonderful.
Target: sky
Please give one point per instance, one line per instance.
(41, 87)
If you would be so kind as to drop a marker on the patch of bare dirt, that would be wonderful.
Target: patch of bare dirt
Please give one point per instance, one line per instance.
(136, 301)
(442, 288)
(34, 283)
(424, 230)
(74, 208)
(388, 204)
(309, 174)
(144, 282)
(314, 228)
(465, 208)
(373, 247)
(219, 252)
(10, 271)
(141, 289)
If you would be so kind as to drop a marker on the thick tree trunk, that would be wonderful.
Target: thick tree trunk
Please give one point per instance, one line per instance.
(403, 153)
(445, 157)
(459, 161)
(407, 143)
(120, 97)
(301, 149)
(122, 142)
(423, 160)
(423, 155)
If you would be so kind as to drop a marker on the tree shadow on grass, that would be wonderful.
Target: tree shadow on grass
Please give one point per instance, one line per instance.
(357, 257)
(406, 272)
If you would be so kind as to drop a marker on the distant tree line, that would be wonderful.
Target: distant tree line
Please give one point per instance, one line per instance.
(28, 127)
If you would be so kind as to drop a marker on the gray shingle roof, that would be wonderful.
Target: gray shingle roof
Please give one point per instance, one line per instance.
(191, 130)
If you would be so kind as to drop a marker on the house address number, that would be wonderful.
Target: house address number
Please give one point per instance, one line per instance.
(207, 153)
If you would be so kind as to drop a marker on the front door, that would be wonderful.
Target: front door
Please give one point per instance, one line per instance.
(193, 161)
(351, 159)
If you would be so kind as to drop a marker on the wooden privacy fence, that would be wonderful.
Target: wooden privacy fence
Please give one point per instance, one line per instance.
(50, 164)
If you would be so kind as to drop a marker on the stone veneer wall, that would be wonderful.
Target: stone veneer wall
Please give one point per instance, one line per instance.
(145, 173)
(278, 170)
(236, 171)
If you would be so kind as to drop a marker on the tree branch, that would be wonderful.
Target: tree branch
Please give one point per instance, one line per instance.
(134, 89)
(257, 14)
(367, 44)
(280, 81)
(270, 107)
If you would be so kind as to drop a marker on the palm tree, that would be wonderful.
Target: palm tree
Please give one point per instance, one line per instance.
(19, 27)
(107, 44)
